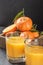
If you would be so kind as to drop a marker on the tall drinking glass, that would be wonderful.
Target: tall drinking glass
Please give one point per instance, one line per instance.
(33, 52)
(15, 48)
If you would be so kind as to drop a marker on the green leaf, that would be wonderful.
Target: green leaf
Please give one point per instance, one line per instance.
(21, 13)
(41, 33)
(34, 30)
(34, 26)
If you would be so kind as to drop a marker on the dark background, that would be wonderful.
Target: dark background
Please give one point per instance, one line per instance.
(33, 9)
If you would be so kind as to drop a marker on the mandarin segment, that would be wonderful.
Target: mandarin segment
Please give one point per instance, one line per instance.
(10, 28)
(27, 34)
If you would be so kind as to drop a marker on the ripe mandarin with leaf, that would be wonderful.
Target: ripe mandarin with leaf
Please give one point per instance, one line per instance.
(24, 23)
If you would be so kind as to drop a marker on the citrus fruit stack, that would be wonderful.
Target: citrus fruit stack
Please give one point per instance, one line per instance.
(24, 25)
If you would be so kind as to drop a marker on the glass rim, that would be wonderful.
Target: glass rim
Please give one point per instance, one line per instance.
(13, 34)
(32, 43)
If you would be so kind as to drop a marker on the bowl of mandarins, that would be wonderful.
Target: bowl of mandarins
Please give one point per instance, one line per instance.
(23, 26)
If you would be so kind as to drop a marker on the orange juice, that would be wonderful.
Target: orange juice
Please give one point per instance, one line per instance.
(34, 55)
(15, 47)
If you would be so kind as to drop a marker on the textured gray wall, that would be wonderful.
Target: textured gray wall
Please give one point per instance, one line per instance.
(33, 9)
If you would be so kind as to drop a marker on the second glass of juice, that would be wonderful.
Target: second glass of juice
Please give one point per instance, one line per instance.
(15, 49)
(33, 53)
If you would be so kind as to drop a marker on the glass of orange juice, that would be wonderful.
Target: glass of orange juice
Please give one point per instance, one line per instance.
(15, 48)
(33, 52)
